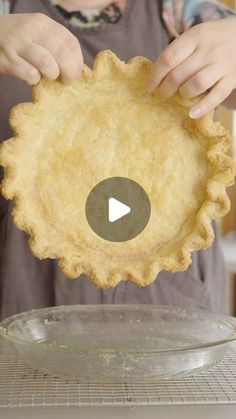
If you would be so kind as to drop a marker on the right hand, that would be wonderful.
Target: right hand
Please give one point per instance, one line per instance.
(33, 46)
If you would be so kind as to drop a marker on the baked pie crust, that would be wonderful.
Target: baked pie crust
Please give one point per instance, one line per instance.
(107, 124)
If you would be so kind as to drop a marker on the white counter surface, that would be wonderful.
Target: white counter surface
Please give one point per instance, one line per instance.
(152, 412)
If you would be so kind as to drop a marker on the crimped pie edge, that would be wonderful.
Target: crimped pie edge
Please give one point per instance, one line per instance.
(216, 205)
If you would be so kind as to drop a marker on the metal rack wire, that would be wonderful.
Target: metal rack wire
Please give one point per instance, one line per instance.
(23, 386)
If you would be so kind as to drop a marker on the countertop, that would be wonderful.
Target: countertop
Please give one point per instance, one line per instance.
(151, 412)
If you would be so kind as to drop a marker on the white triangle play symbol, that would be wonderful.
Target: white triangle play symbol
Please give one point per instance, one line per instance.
(117, 210)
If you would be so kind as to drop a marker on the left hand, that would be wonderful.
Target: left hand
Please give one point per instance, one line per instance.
(202, 58)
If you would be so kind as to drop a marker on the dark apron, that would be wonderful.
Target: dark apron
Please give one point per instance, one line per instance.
(26, 282)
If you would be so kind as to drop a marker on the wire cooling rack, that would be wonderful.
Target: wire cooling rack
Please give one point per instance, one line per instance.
(22, 386)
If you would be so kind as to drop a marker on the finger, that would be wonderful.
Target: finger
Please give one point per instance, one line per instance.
(42, 59)
(203, 80)
(19, 68)
(69, 63)
(218, 94)
(72, 43)
(172, 56)
(75, 48)
(180, 74)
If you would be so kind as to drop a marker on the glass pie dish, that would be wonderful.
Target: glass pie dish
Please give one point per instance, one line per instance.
(120, 343)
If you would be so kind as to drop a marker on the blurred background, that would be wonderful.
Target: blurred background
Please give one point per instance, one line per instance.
(228, 224)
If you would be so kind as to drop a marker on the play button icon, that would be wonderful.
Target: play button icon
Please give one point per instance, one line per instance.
(117, 209)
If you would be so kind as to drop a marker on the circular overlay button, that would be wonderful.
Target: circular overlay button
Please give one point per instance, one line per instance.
(118, 209)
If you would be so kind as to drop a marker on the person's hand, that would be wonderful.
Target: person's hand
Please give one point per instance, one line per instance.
(34, 46)
(202, 58)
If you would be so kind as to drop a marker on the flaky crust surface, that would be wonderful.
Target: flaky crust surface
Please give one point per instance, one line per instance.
(106, 124)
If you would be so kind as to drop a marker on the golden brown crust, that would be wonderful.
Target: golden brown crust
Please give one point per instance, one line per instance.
(56, 157)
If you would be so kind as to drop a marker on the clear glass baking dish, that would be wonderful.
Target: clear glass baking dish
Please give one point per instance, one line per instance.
(120, 343)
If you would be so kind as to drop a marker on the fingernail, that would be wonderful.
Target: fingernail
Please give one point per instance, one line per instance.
(195, 112)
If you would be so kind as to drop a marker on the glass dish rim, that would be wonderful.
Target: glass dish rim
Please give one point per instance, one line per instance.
(6, 323)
